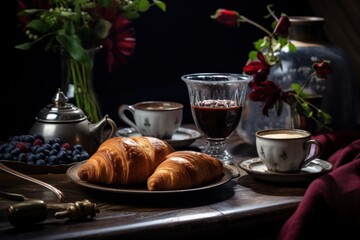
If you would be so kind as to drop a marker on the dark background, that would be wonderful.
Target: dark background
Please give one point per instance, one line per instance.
(182, 40)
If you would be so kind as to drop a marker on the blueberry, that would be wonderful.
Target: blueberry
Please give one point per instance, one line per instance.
(39, 136)
(15, 138)
(53, 160)
(7, 156)
(9, 147)
(40, 156)
(78, 147)
(22, 157)
(31, 157)
(47, 146)
(15, 152)
(53, 152)
(62, 155)
(75, 152)
(40, 162)
(85, 155)
(29, 139)
(55, 146)
(77, 158)
(40, 150)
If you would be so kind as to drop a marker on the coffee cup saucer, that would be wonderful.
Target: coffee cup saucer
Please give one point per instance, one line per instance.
(183, 136)
(312, 170)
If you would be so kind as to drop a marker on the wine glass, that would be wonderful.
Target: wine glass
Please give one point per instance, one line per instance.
(217, 101)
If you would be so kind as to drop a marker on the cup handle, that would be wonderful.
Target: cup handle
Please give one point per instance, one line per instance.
(318, 150)
(122, 109)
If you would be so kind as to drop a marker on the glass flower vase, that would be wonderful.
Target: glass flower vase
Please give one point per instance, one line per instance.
(77, 84)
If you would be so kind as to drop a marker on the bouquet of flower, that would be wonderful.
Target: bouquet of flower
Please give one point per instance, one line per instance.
(265, 56)
(72, 27)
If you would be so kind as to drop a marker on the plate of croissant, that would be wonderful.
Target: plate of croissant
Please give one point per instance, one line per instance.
(147, 165)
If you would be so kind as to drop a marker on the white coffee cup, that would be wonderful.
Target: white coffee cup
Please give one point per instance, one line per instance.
(286, 150)
(160, 119)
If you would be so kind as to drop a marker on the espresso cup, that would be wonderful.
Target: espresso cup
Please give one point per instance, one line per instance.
(160, 119)
(286, 150)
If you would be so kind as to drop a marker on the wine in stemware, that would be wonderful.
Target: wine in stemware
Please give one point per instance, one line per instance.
(217, 101)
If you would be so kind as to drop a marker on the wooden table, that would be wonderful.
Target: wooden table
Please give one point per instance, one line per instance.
(244, 208)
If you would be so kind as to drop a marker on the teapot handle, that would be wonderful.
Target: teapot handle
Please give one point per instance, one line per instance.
(112, 125)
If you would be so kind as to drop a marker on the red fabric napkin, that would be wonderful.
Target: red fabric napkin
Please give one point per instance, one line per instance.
(330, 208)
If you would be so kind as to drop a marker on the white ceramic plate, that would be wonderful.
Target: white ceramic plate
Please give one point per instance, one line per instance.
(314, 169)
(182, 138)
(141, 189)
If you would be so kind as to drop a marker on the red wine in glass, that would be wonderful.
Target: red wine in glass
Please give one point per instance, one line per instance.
(217, 119)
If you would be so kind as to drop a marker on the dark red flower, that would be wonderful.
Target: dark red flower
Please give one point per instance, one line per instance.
(258, 69)
(282, 27)
(227, 17)
(121, 42)
(266, 92)
(322, 69)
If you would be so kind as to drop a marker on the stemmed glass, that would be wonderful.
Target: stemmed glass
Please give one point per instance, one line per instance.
(217, 101)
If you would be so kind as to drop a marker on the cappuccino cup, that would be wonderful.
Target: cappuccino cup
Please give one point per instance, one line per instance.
(286, 150)
(160, 119)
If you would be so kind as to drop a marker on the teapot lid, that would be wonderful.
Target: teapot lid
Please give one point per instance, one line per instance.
(61, 110)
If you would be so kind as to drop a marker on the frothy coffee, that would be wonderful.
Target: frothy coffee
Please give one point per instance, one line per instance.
(158, 106)
(284, 135)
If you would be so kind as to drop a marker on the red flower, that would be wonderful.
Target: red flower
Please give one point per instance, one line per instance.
(282, 27)
(267, 92)
(258, 69)
(121, 42)
(227, 17)
(322, 69)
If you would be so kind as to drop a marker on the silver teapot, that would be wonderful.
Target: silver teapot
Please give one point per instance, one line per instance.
(70, 124)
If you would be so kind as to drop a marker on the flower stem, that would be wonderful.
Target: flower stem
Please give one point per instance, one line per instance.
(84, 94)
(245, 19)
(306, 83)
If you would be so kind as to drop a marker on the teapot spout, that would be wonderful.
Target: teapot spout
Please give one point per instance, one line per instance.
(97, 129)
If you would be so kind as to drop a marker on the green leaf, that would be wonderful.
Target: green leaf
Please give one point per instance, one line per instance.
(283, 41)
(261, 44)
(29, 11)
(325, 117)
(278, 107)
(304, 109)
(69, 28)
(24, 46)
(252, 55)
(292, 47)
(39, 25)
(161, 5)
(72, 45)
(296, 87)
(106, 3)
(144, 5)
(131, 15)
(273, 24)
(102, 28)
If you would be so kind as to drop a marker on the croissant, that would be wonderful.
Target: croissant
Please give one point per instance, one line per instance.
(184, 170)
(124, 160)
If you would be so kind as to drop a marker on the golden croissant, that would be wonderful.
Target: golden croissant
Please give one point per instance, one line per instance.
(124, 160)
(184, 170)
